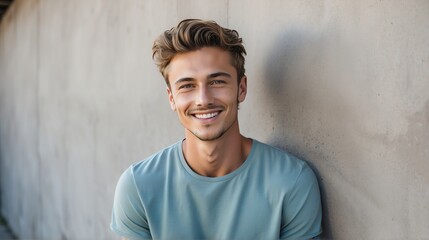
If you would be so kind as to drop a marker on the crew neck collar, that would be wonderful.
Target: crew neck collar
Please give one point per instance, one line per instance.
(226, 177)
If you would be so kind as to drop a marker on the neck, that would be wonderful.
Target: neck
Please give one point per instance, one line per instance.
(218, 157)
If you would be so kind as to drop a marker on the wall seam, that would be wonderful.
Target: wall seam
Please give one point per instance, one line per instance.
(39, 229)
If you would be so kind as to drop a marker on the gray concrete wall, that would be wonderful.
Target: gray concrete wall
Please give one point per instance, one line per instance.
(342, 84)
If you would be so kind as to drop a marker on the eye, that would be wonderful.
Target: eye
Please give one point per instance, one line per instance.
(216, 82)
(186, 86)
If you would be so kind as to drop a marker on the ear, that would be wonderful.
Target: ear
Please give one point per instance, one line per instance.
(242, 89)
(171, 99)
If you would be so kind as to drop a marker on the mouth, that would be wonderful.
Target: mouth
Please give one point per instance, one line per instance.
(206, 115)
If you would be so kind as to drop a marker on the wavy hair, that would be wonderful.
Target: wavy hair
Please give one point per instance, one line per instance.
(193, 34)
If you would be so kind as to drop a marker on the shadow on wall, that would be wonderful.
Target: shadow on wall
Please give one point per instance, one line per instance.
(294, 74)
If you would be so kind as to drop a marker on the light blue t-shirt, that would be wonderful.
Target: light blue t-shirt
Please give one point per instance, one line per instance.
(272, 195)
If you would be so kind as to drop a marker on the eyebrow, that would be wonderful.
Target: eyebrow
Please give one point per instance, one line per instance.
(213, 75)
(185, 79)
(219, 74)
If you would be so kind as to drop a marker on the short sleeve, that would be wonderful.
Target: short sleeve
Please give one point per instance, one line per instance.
(302, 211)
(128, 214)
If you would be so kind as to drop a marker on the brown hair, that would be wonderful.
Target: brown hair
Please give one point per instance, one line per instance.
(193, 34)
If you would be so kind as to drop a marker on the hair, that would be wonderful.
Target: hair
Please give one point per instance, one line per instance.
(193, 34)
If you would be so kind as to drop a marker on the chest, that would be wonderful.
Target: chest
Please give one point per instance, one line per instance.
(190, 210)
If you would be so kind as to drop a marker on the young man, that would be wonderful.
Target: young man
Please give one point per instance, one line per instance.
(215, 183)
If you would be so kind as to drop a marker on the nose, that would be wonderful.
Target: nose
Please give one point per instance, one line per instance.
(205, 97)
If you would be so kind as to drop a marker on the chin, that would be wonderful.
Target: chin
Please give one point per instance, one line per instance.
(208, 137)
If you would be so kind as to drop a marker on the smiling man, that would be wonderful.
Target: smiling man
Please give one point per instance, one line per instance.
(215, 183)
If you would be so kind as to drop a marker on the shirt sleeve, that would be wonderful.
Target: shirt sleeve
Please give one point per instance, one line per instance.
(302, 211)
(128, 214)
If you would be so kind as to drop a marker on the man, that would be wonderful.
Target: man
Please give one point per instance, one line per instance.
(215, 183)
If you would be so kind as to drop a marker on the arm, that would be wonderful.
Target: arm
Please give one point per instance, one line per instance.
(302, 211)
(128, 214)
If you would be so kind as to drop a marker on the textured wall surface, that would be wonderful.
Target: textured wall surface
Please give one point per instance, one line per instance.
(341, 84)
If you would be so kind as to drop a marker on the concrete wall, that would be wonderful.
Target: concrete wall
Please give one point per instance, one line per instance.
(342, 84)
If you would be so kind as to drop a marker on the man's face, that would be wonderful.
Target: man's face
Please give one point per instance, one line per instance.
(204, 92)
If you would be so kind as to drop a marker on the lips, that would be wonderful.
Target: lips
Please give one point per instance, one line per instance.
(206, 115)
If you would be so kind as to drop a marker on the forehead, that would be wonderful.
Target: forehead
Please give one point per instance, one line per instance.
(202, 62)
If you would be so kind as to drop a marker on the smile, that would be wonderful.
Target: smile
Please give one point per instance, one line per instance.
(206, 115)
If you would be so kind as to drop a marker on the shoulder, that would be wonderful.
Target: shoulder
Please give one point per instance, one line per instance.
(154, 167)
(278, 159)
(158, 160)
(283, 169)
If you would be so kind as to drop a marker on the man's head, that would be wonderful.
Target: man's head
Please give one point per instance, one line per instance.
(193, 34)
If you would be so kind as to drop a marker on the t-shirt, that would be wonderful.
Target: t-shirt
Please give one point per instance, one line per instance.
(271, 195)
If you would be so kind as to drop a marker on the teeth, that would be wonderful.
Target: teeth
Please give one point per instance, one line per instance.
(207, 115)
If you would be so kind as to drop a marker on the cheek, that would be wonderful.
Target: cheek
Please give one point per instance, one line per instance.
(229, 95)
(183, 101)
